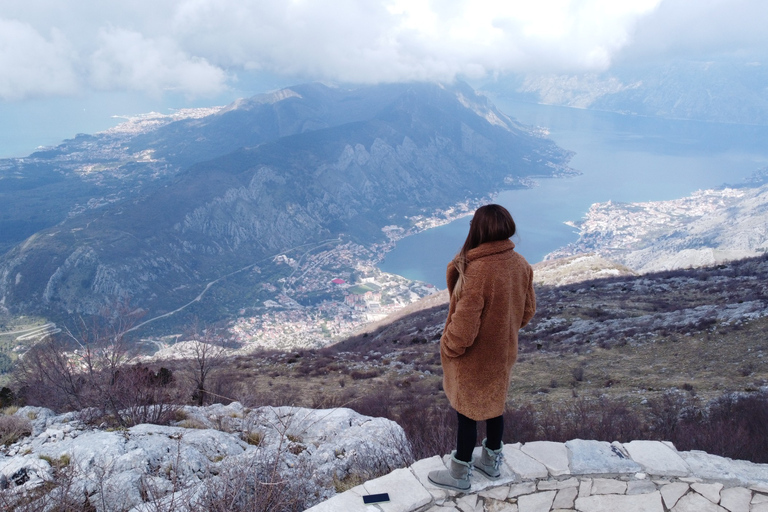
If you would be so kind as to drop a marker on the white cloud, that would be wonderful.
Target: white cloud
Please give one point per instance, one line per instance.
(31, 65)
(197, 47)
(127, 60)
(701, 28)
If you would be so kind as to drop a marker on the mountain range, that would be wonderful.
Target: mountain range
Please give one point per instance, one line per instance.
(152, 213)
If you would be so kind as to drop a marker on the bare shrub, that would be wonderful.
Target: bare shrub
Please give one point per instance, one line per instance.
(88, 370)
(13, 428)
(732, 426)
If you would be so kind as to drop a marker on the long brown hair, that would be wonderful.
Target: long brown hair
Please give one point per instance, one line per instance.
(490, 223)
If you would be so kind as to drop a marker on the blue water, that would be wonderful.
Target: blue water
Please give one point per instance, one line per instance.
(622, 158)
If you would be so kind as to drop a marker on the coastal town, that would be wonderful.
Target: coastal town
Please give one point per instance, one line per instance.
(328, 294)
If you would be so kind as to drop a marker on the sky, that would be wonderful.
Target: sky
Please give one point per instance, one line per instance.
(69, 66)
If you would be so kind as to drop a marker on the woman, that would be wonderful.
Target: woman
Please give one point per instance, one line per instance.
(491, 291)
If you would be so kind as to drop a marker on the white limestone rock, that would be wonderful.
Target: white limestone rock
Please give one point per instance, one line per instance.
(538, 502)
(709, 491)
(673, 492)
(735, 499)
(527, 467)
(598, 457)
(118, 467)
(608, 486)
(640, 487)
(657, 458)
(553, 455)
(615, 502)
(565, 497)
(722, 469)
(405, 491)
(694, 502)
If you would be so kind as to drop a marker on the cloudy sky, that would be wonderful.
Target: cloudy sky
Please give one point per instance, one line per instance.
(97, 54)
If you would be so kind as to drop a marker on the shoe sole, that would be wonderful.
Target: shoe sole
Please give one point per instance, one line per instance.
(493, 477)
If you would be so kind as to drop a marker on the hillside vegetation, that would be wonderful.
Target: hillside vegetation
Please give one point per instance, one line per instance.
(677, 356)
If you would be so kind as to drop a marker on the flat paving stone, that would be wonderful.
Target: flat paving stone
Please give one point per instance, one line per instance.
(735, 499)
(405, 491)
(709, 491)
(694, 502)
(527, 467)
(721, 469)
(553, 455)
(657, 458)
(351, 500)
(499, 506)
(640, 487)
(565, 498)
(608, 486)
(538, 502)
(761, 507)
(520, 489)
(671, 493)
(616, 502)
(599, 457)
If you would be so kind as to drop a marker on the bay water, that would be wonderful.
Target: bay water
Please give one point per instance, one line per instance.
(622, 158)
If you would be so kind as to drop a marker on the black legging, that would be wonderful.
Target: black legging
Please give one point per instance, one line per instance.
(466, 435)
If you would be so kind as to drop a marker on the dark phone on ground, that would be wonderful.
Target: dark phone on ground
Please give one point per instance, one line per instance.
(376, 498)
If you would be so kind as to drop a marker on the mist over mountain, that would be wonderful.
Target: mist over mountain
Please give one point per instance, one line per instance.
(153, 214)
(725, 90)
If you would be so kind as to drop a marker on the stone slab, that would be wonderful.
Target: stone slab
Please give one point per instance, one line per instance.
(405, 491)
(527, 467)
(496, 493)
(538, 502)
(565, 497)
(724, 470)
(608, 486)
(615, 502)
(553, 455)
(735, 499)
(762, 507)
(598, 457)
(640, 487)
(350, 501)
(657, 458)
(585, 488)
(498, 506)
(520, 489)
(694, 502)
(671, 493)
(709, 491)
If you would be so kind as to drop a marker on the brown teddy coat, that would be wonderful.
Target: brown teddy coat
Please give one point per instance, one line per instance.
(479, 342)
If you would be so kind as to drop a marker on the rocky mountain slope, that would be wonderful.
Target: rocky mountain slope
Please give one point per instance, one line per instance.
(314, 163)
(279, 458)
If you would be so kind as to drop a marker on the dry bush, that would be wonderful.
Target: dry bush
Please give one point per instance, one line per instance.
(732, 426)
(89, 372)
(13, 428)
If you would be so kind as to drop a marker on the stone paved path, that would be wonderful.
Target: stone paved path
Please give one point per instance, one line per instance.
(584, 476)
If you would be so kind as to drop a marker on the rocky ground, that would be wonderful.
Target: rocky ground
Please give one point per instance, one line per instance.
(299, 456)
